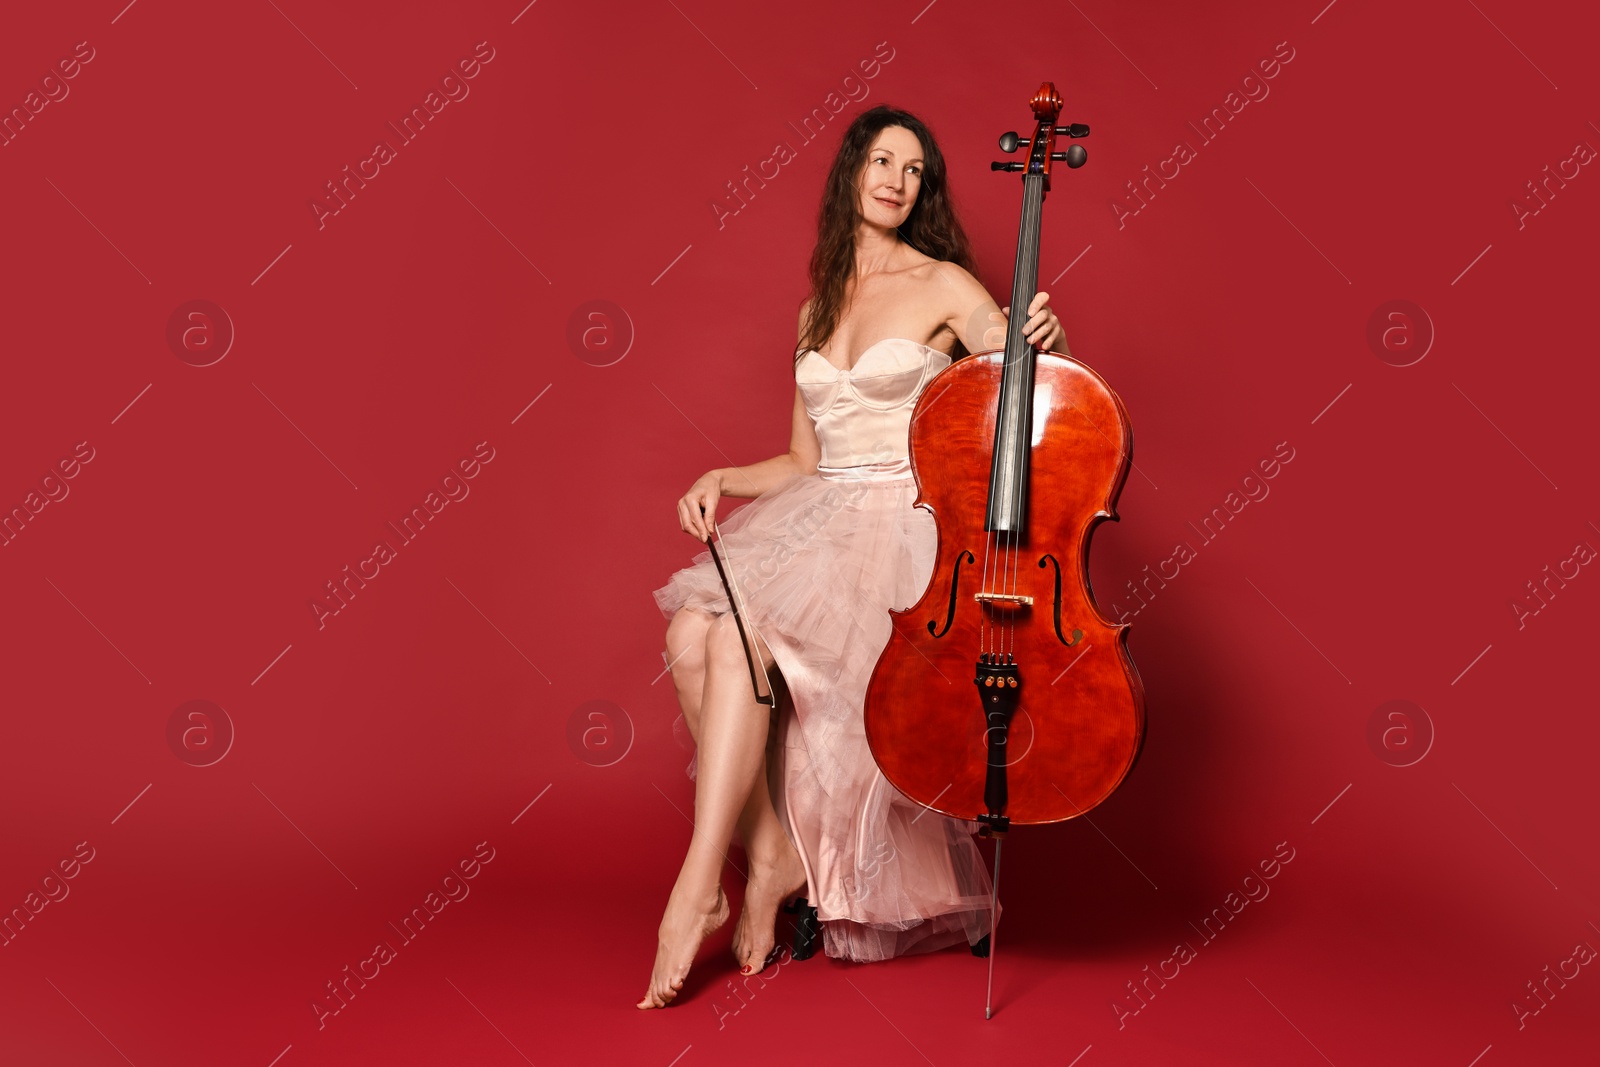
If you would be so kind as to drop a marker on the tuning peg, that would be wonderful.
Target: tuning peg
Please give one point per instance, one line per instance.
(1077, 129)
(1010, 142)
(1007, 165)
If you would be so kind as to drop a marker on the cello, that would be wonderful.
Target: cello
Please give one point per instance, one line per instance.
(1019, 455)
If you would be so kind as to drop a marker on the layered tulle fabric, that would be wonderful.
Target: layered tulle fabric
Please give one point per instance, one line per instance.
(820, 559)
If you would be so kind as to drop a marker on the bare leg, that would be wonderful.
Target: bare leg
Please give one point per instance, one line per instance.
(732, 736)
(776, 872)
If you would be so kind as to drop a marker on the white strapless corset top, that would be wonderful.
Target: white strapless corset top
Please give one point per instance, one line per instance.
(863, 414)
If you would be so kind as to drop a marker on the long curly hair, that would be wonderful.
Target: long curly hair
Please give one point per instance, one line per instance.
(932, 228)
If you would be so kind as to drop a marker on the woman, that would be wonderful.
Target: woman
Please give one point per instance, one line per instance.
(831, 542)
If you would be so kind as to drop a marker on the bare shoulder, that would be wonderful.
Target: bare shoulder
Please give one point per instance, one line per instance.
(953, 282)
(950, 295)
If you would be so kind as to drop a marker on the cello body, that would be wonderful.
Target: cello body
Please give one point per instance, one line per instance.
(1079, 723)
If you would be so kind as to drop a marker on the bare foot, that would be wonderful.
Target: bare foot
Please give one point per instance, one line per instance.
(685, 924)
(774, 877)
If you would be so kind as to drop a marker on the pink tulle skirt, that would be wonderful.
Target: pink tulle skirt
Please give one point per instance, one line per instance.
(819, 560)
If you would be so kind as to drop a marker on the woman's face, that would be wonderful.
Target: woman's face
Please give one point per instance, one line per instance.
(892, 177)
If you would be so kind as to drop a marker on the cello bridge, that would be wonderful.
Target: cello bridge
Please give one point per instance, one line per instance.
(1003, 600)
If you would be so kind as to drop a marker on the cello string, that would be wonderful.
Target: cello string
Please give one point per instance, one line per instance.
(983, 626)
(983, 609)
(1008, 378)
(1023, 394)
(1004, 571)
(1011, 369)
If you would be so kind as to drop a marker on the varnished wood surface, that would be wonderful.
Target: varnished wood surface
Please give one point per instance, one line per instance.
(1080, 722)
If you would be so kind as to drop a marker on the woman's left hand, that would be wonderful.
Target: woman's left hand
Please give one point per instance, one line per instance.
(1043, 329)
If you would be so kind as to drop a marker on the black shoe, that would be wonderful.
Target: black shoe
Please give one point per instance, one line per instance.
(807, 928)
(981, 948)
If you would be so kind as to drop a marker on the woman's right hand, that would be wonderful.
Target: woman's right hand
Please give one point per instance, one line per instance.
(697, 511)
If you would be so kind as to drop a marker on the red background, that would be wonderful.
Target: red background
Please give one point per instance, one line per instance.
(448, 702)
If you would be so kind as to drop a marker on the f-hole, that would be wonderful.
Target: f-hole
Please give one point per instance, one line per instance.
(955, 577)
(1077, 635)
